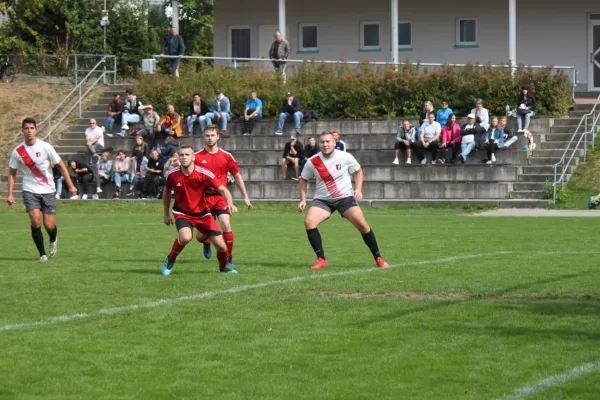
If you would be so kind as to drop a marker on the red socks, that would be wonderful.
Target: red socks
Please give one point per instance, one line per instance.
(228, 236)
(222, 257)
(175, 250)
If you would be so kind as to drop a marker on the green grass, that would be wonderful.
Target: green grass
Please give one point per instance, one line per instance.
(584, 183)
(460, 328)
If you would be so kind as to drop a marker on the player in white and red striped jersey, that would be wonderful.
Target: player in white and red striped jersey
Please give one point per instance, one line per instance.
(219, 162)
(332, 170)
(36, 157)
(190, 209)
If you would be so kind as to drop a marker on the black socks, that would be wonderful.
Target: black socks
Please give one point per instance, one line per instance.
(38, 239)
(371, 242)
(314, 237)
(53, 234)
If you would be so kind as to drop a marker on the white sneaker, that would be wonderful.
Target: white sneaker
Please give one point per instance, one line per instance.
(125, 127)
(278, 133)
(43, 258)
(488, 162)
(53, 248)
(84, 197)
(493, 158)
(121, 133)
(395, 162)
(74, 197)
(408, 161)
(57, 197)
(433, 161)
(98, 189)
(520, 131)
(95, 197)
(423, 161)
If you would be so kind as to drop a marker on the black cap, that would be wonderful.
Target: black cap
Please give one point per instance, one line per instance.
(129, 91)
(218, 91)
(288, 94)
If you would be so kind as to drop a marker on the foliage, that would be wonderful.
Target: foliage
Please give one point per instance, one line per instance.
(548, 191)
(365, 91)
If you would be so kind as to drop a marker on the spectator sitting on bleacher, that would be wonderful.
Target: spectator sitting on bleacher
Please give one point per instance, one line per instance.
(198, 111)
(405, 140)
(443, 114)
(220, 112)
(151, 125)
(114, 113)
(467, 144)
(171, 147)
(252, 113)
(291, 110)
(141, 149)
(293, 152)
(526, 108)
(509, 138)
(84, 178)
(131, 112)
(104, 168)
(172, 163)
(121, 170)
(494, 140)
(339, 143)
(311, 148)
(451, 137)
(171, 123)
(481, 115)
(429, 134)
(427, 109)
(154, 177)
(94, 139)
(138, 178)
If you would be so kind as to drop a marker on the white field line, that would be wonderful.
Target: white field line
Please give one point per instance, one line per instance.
(235, 289)
(528, 391)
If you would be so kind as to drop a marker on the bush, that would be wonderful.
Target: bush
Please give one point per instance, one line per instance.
(548, 191)
(363, 91)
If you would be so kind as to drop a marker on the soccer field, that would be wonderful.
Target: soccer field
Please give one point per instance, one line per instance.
(473, 308)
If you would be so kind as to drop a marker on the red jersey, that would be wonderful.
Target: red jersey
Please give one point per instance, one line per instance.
(189, 190)
(219, 163)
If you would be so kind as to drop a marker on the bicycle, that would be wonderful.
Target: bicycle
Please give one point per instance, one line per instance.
(7, 70)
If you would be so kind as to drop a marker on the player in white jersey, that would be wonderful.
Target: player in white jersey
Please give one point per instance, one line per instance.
(36, 158)
(332, 170)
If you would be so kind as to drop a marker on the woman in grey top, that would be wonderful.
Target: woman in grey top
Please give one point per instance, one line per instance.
(151, 122)
(405, 140)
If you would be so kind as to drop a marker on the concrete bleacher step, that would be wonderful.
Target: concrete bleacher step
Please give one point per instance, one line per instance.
(583, 107)
(560, 145)
(536, 177)
(527, 186)
(536, 169)
(554, 153)
(566, 122)
(526, 194)
(388, 190)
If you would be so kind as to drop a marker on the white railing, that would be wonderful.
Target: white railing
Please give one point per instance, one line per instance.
(587, 126)
(77, 95)
(570, 71)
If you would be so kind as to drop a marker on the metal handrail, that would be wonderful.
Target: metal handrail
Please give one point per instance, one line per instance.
(595, 115)
(81, 96)
(568, 69)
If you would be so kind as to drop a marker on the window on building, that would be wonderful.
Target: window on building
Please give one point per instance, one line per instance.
(309, 37)
(466, 31)
(404, 34)
(240, 38)
(369, 36)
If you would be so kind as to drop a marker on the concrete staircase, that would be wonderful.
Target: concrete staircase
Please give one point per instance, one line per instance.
(514, 181)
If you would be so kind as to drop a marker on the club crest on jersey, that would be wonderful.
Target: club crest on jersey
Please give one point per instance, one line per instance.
(338, 166)
(38, 154)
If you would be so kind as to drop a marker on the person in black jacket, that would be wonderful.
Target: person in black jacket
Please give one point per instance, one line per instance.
(175, 47)
(197, 114)
(171, 147)
(293, 153)
(469, 132)
(154, 176)
(84, 178)
(290, 110)
(526, 108)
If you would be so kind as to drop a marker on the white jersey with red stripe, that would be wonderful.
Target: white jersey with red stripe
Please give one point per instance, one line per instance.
(332, 174)
(36, 163)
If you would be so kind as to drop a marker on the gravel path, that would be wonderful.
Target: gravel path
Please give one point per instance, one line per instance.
(538, 212)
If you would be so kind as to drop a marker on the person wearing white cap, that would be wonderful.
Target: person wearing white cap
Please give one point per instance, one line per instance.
(467, 144)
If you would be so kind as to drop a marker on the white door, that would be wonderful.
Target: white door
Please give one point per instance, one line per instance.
(594, 43)
(266, 35)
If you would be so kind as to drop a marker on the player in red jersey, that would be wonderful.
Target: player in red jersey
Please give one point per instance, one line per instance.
(219, 162)
(189, 182)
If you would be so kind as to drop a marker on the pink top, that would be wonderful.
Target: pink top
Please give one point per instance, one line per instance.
(451, 135)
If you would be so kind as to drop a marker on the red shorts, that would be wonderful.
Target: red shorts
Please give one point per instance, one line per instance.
(206, 224)
(216, 204)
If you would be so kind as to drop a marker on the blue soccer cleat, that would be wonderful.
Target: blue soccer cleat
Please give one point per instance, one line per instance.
(207, 251)
(228, 271)
(230, 262)
(167, 266)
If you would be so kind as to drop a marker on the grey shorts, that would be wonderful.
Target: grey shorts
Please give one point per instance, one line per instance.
(44, 202)
(339, 205)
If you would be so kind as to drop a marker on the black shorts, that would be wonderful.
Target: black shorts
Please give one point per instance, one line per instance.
(45, 202)
(401, 146)
(339, 205)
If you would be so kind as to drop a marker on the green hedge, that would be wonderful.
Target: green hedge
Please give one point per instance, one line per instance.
(364, 91)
